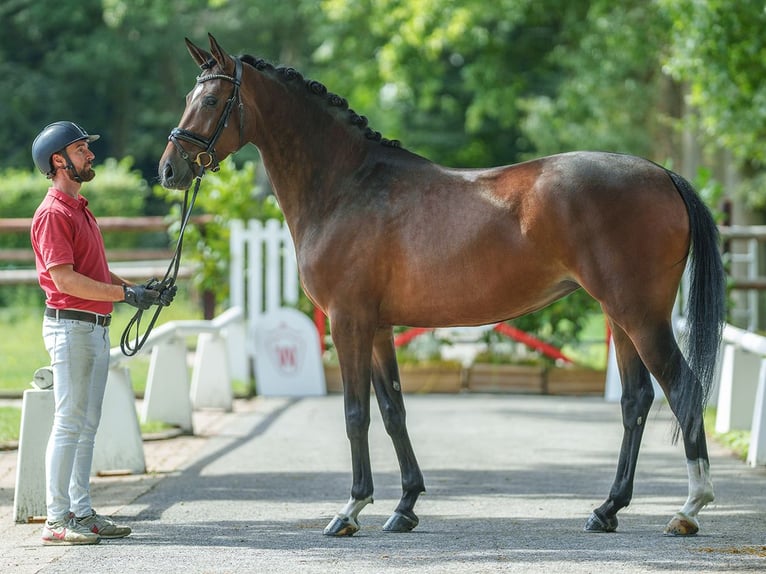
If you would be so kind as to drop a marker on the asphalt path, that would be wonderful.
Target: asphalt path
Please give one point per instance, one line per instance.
(511, 480)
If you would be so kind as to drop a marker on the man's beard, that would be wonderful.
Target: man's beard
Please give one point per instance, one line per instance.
(86, 174)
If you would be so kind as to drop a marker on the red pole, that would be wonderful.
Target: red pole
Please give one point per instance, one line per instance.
(320, 321)
(409, 335)
(530, 341)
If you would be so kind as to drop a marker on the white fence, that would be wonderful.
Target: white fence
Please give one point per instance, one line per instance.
(263, 272)
(741, 393)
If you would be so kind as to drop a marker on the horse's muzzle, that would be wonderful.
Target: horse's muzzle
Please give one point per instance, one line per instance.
(174, 173)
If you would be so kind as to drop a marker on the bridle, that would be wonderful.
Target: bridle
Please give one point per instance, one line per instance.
(204, 160)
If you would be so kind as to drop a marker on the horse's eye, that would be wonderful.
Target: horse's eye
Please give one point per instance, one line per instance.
(210, 101)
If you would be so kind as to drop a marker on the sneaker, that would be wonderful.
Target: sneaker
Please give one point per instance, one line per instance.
(102, 526)
(68, 532)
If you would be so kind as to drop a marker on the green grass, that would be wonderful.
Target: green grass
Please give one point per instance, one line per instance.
(591, 352)
(10, 422)
(738, 441)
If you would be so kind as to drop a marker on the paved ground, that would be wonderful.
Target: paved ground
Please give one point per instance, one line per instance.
(511, 480)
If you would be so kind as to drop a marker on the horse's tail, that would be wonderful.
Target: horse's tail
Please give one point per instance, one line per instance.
(706, 305)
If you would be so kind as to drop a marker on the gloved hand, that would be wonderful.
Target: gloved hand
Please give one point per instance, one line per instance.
(140, 296)
(167, 294)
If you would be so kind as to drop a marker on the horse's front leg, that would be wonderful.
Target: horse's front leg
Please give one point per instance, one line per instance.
(637, 398)
(388, 391)
(354, 345)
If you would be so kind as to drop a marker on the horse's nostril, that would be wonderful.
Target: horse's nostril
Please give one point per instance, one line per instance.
(167, 172)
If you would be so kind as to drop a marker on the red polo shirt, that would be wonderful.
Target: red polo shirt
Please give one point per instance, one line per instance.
(64, 232)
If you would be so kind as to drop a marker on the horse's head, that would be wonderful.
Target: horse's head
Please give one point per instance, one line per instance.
(205, 135)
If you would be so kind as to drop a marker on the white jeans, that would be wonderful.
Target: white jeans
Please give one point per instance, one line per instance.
(79, 354)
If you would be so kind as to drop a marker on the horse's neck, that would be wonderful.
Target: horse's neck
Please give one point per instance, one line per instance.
(305, 149)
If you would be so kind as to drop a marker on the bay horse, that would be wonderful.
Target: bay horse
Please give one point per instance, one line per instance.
(385, 237)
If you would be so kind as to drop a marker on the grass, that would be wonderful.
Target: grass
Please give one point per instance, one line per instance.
(738, 441)
(10, 422)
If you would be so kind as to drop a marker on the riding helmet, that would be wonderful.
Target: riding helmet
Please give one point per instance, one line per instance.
(54, 138)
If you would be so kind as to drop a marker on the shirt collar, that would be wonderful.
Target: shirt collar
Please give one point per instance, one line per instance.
(78, 203)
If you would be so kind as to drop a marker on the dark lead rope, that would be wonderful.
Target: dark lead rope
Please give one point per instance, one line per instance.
(205, 160)
(131, 348)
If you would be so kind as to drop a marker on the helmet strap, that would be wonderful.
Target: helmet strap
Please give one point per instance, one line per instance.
(70, 167)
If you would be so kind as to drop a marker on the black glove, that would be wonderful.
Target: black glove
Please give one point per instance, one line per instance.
(140, 296)
(167, 294)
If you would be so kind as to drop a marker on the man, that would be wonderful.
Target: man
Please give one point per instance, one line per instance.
(80, 291)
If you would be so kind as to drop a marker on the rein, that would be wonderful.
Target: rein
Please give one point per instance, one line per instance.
(128, 347)
(204, 160)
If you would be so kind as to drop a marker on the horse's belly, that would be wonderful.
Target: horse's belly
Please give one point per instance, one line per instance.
(477, 299)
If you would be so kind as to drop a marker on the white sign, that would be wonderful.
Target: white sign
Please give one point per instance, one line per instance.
(287, 355)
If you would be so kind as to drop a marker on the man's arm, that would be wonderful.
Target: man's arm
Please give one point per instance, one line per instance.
(71, 282)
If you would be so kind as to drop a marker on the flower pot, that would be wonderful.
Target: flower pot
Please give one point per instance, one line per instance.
(575, 381)
(416, 378)
(506, 378)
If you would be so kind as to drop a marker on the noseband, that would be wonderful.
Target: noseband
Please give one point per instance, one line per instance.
(206, 159)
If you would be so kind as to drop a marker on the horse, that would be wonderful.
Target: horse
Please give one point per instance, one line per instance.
(385, 237)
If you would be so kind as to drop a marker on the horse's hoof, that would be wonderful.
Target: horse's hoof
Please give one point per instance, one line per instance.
(399, 522)
(596, 524)
(682, 525)
(341, 526)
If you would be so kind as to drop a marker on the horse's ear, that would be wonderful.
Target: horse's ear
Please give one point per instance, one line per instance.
(218, 54)
(200, 56)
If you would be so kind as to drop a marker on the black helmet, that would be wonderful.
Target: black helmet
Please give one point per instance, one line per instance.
(54, 138)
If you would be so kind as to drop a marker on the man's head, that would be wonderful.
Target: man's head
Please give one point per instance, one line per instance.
(53, 146)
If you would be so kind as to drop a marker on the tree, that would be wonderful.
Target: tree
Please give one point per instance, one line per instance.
(717, 49)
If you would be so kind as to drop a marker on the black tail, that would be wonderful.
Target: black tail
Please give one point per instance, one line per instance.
(706, 307)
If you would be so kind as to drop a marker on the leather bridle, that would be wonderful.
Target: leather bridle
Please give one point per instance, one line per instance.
(206, 159)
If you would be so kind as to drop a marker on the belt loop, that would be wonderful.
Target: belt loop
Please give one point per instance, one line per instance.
(57, 314)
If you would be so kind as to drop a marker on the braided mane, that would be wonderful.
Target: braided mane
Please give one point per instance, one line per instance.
(289, 75)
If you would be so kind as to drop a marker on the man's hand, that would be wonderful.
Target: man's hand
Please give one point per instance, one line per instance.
(140, 296)
(167, 294)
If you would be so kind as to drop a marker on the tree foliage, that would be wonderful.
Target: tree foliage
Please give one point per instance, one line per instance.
(718, 50)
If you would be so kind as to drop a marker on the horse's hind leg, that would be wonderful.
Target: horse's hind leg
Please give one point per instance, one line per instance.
(385, 378)
(637, 397)
(684, 394)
